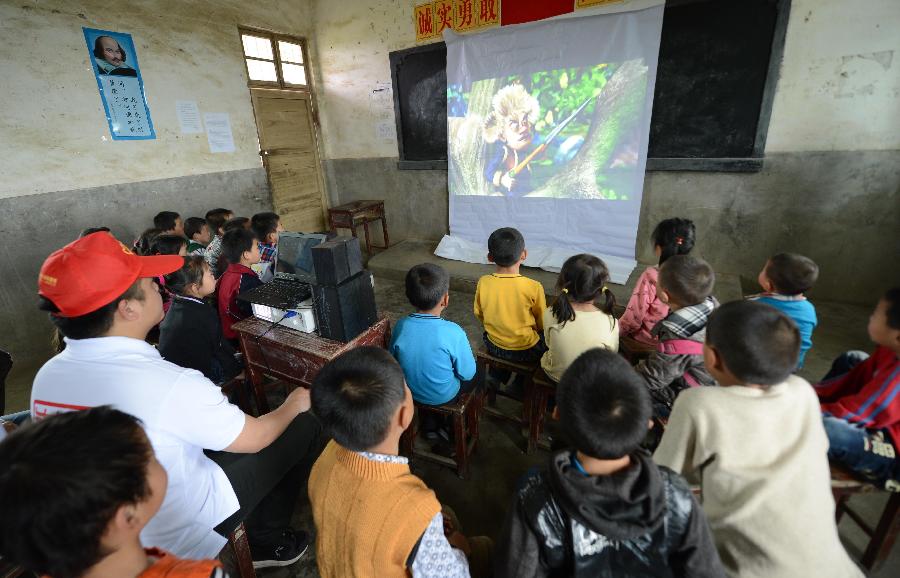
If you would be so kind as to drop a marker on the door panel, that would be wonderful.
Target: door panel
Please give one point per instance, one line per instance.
(287, 142)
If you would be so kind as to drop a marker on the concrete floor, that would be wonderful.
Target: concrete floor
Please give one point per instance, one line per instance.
(482, 500)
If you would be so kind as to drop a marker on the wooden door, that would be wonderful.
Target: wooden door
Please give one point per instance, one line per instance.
(287, 142)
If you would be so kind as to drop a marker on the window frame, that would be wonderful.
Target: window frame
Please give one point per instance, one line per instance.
(274, 38)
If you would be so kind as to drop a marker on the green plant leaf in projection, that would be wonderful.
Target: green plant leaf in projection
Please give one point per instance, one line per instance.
(615, 112)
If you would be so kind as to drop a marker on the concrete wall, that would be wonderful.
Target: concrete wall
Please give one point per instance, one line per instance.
(839, 92)
(59, 169)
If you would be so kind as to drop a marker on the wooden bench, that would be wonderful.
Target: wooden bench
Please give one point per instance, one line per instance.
(883, 535)
(464, 413)
(240, 549)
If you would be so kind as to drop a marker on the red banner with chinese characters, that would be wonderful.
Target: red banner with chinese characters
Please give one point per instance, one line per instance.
(432, 18)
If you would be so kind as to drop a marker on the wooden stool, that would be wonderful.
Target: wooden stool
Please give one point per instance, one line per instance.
(240, 548)
(882, 536)
(352, 215)
(464, 413)
(542, 387)
(487, 361)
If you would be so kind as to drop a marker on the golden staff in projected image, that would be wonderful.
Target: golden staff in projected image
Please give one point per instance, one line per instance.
(553, 134)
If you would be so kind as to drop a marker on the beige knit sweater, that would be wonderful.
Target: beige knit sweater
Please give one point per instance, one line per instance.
(760, 457)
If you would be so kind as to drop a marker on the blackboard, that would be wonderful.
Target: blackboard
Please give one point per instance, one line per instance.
(419, 78)
(718, 66)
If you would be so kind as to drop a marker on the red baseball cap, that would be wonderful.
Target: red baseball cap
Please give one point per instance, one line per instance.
(89, 273)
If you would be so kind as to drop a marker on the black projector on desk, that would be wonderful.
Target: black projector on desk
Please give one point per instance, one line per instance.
(346, 309)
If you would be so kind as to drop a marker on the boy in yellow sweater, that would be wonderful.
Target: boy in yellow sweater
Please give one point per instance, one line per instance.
(373, 516)
(510, 306)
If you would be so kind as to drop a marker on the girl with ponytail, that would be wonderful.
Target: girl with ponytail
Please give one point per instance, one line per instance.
(670, 237)
(581, 316)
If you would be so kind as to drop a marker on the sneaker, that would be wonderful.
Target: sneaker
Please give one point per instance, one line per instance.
(444, 433)
(292, 547)
(431, 435)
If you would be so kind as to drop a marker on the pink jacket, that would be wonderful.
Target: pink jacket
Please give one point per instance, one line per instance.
(644, 309)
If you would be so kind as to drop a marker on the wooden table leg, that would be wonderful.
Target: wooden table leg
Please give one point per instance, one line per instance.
(387, 243)
(259, 389)
(368, 242)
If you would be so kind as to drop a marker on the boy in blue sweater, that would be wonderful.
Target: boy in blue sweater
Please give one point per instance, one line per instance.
(434, 353)
(784, 279)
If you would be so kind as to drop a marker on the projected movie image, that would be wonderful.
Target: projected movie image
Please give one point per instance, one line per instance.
(564, 133)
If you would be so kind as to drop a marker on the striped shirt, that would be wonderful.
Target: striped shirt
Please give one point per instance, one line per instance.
(869, 395)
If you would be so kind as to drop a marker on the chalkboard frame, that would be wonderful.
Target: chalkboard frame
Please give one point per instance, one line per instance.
(753, 163)
(395, 58)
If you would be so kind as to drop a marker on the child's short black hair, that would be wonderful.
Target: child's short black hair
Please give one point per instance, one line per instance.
(356, 394)
(165, 220)
(604, 406)
(758, 343)
(193, 226)
(264, 224)
(144, 243)
(61, 482)
(167, 245)
(892, 296)
(92, 230)
(94, 324)
(505, 246)
(426, 284)
(792, 274)
(673, 236)
(235, 223)
(236, 242)
(688, 280)
(191, 273)
(216, 219)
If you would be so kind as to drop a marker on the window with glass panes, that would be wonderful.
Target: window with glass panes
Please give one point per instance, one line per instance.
(274, 60)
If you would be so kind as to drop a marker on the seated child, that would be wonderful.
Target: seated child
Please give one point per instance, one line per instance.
(604, 508)
(685, 284)
(510, 306)
(434, 353)
(757, 448)
(372, 515)
(169, 222)
(267, 226)
(215, 220)
(670, 237)
(239, 246)
(231, 225)
(92, 230)
(581, 316)
(76, 489)
(197, 231)
(860, 403)
(784, 279)
(143, 244)
(191, 335)
(166, 244)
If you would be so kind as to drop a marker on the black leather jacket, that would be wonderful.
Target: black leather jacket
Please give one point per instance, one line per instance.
(642, 521)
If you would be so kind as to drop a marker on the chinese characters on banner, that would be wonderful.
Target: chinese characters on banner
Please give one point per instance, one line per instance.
(432, 18)
(115, 65)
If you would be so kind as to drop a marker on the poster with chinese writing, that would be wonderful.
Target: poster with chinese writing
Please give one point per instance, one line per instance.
(115, 65)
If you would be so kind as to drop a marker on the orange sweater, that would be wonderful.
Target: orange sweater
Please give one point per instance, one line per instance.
(369, 515)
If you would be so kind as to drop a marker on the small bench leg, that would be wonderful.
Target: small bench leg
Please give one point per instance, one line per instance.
(884, 535)
(462, 454)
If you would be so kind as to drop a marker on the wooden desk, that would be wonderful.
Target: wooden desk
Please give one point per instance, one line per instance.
(351, 215)
(293, 356)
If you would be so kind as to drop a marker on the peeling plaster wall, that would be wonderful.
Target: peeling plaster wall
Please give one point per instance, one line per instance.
(831, 183)
(53, 132)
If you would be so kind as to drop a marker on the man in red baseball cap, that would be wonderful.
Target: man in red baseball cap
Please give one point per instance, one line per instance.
(224, 466)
